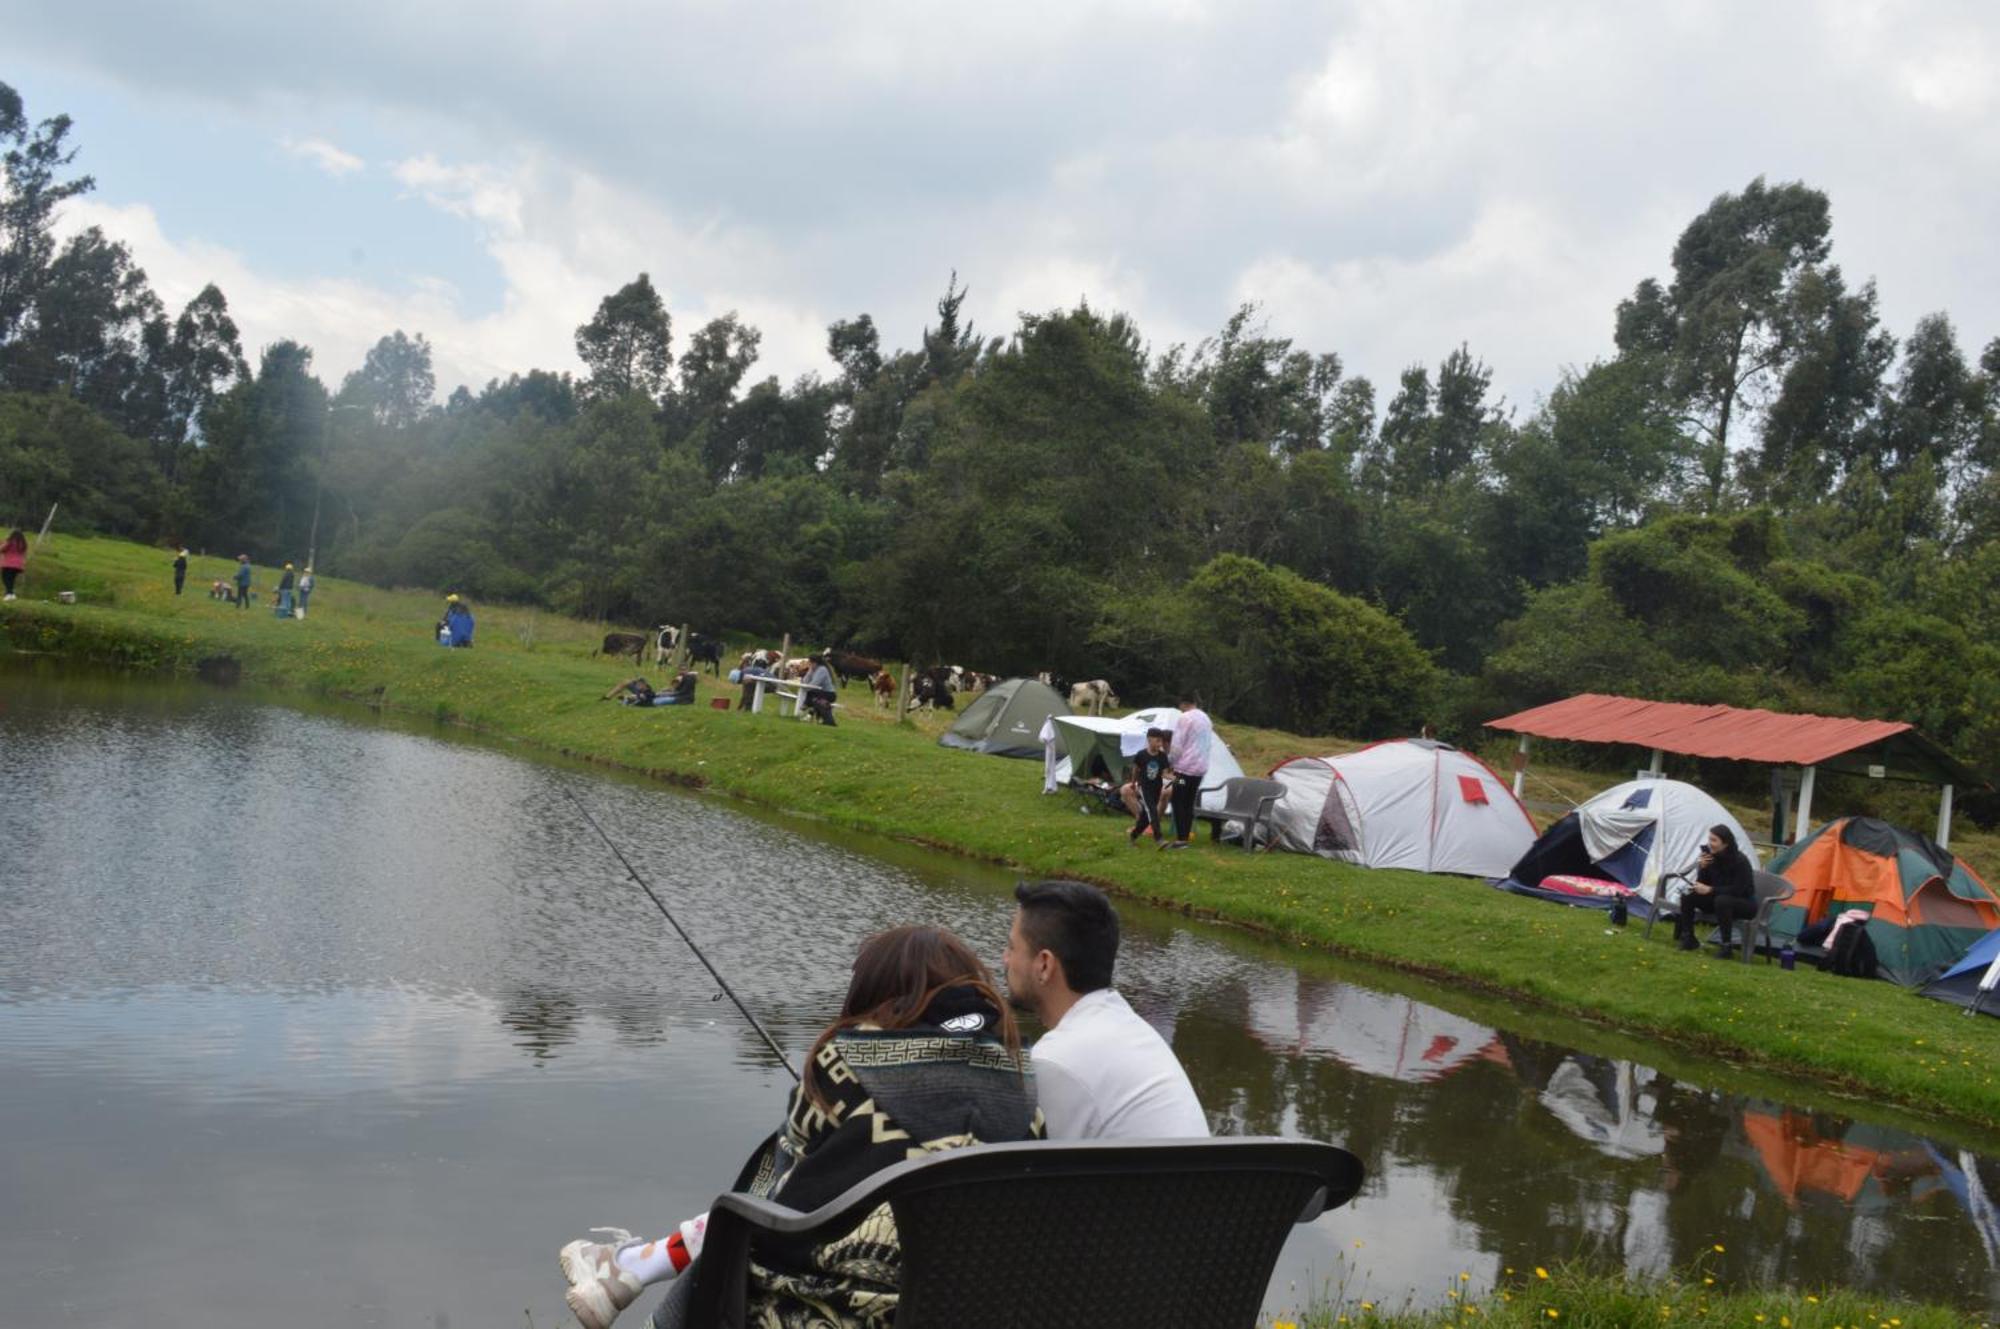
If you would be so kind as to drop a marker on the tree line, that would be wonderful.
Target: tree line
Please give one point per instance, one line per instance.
(1757, 494)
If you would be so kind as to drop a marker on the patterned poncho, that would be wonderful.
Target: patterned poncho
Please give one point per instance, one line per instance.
(895, 1094)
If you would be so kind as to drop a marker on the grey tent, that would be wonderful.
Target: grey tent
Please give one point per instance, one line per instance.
(1006, 719)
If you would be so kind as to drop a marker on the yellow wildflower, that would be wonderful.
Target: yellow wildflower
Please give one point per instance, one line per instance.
(1541, 1272)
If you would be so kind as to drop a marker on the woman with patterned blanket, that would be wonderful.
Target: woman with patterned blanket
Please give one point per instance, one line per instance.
(924, 1057)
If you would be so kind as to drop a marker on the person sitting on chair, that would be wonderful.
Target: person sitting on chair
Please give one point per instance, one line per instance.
(1101, 1072)
(1724, 887)
(820, 690)
(923, 1057)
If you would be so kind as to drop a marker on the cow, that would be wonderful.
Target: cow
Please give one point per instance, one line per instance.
(1096, 694)
(705, 650)
(884, 686)
(929, 690)
(623, 643)
(796, 668)
(847, 666)
(1053, 681)
(665, 638)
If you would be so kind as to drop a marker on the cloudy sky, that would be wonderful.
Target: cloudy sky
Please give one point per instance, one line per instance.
(1385, 179)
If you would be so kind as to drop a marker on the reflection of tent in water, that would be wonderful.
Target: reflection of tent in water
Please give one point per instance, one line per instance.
(1377, 1033)
(1970, 1190)
(1857, 1168)
(1608, 1104)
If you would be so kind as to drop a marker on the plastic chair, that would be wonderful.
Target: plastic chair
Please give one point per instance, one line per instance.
(1772, 891)
(1095, 1234)
(1246, 800)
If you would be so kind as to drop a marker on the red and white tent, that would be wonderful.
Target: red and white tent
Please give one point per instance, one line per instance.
(1415, 803)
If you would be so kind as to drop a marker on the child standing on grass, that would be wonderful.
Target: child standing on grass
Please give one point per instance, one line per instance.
(1149, 775)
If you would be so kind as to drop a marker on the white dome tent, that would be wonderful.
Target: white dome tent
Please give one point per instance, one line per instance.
(1416, 804)
(1119, 741)
(1633, 833)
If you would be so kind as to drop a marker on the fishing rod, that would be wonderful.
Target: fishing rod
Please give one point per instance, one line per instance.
(667, 914)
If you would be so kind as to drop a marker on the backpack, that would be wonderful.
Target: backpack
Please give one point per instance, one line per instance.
(1853, 953)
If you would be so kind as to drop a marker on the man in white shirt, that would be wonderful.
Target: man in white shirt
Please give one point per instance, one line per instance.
(1100, 1071)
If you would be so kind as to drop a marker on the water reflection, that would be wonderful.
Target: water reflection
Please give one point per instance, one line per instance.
(1538, 1151)
(272, 985)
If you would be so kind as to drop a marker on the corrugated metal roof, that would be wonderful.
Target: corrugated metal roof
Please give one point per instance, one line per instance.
(1731, 732)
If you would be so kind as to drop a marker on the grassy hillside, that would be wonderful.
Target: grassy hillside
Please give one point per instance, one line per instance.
(531, 678)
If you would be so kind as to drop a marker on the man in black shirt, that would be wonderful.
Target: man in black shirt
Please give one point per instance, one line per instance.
(1724, 888)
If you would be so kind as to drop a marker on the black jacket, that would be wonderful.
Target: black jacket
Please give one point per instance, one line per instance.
(1730, 873)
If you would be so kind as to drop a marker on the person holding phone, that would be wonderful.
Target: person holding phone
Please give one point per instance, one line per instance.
(1724, 888)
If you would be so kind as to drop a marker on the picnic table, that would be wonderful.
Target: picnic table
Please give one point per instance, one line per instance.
(789, 690)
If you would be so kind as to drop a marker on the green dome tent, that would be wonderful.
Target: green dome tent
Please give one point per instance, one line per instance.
(1006, 720)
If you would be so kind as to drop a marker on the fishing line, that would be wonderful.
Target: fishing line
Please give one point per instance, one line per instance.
(667, 914)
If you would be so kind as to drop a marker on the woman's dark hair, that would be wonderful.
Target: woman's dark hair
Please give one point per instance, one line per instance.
(1727, 836)
(1188, 698)
(897, 974)
(1075, 922)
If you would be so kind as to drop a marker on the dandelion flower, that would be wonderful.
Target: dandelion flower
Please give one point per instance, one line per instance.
(1541, 1272)
(1718, 1248)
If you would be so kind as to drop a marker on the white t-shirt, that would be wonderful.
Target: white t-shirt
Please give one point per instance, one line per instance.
(1104, 1073)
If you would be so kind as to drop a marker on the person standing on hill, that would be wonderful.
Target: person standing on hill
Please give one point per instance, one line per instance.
(13, 557)
(1148, 787)
(286, 582)
(242, 580)
(1189, 758)
(180, 570)
(305, 589)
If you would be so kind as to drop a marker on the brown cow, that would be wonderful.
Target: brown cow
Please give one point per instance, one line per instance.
(884, 684)
(623, 643)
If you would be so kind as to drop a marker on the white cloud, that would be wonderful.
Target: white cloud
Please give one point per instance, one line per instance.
(1390, 179)
(333, 160)
(560, 240)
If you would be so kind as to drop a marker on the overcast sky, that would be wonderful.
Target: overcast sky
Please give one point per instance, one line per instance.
(1386, 179)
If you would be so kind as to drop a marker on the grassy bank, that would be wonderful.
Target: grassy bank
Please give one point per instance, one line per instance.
(1576, 1298)
(531, 678)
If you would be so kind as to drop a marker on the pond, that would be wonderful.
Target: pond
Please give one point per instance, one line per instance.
(309, 1019)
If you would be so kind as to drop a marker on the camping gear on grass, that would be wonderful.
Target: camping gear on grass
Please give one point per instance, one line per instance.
(1005, 718)
(1114, 743)
(1415, 803)
(1925, 906)
(1631, 835)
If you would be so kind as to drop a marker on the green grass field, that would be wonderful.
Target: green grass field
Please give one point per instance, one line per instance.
(1569, 1297)
(531, 678)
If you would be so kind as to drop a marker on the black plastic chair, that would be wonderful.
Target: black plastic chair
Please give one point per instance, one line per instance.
(1251, 802)
(1152, 1234)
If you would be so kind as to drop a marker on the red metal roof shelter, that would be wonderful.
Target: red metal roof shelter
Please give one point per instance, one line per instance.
(1879, 749)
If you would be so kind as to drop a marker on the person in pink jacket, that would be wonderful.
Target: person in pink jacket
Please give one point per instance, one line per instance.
(13, 557)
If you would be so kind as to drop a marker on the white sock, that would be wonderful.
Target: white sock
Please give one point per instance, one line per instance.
(659, 1261)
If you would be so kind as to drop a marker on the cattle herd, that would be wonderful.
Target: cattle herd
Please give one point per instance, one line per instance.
(930, 689)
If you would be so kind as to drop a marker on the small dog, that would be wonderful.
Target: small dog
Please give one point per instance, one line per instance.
(220, 590)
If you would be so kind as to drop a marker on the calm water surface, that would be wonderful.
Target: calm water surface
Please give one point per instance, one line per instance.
(315, 1022)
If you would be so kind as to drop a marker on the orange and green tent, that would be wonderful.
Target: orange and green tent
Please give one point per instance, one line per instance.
(1925, 906)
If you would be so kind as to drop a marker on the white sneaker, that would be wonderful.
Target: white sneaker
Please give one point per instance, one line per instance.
(7, 597)
(598, 1288)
